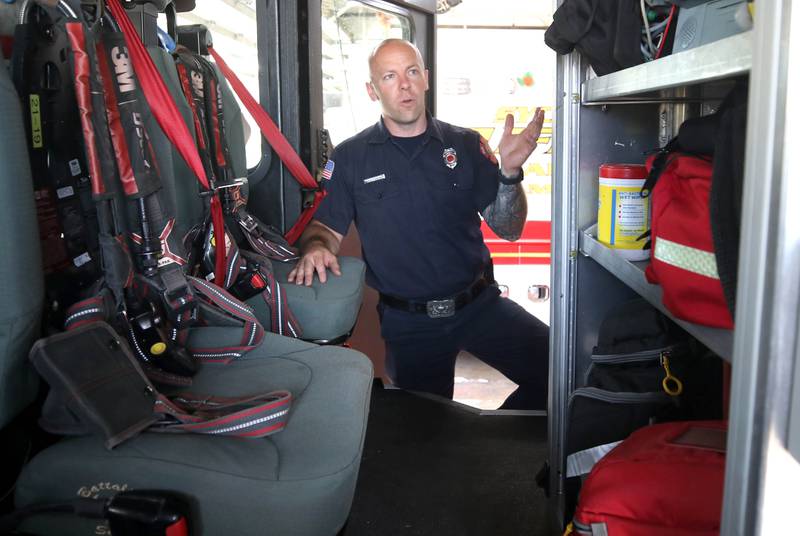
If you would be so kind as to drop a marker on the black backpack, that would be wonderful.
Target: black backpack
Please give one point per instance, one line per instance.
(606, 32)
(727, 184)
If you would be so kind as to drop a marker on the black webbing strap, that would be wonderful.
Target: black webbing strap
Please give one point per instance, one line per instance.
(100, 308)
(249, 274)
(98, 386)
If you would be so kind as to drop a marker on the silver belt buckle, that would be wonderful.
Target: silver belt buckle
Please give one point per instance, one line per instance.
(441, 308)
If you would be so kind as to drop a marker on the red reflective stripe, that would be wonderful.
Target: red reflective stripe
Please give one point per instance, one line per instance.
(118, 140)
(215, 125)
(171, 122)
(271, 132)
(83, 94)
(187, 91)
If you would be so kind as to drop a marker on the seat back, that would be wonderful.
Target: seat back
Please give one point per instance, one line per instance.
(181, 187)
(21, 279)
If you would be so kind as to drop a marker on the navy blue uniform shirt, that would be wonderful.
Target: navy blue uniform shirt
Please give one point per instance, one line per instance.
(416, 215)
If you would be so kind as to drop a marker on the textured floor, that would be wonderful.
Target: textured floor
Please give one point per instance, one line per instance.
(433, 468)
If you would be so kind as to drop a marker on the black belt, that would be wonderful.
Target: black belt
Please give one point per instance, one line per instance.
(438, 308)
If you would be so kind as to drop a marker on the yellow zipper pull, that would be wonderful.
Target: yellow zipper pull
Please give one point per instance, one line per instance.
(672, 385)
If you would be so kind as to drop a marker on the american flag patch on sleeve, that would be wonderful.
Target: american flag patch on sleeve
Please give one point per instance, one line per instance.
(327, 171)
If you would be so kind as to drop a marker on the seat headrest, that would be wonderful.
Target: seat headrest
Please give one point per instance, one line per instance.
(195, 37)
(182, 6)
(160, 5)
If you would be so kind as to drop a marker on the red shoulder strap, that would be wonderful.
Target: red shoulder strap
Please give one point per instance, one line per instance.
(279, 143)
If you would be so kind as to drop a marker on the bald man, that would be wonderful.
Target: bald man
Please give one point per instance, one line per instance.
(416, 188)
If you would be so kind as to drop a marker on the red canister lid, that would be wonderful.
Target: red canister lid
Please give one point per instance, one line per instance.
(623, 171)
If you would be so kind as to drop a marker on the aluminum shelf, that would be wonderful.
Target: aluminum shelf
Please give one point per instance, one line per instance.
(727, 57)
(719, 341)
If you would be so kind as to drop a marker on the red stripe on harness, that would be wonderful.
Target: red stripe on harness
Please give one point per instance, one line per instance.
(212, 88)
(118, 139)
(83, 95)
(187, 91)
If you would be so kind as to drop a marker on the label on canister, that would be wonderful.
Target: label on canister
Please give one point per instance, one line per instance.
(623, 215)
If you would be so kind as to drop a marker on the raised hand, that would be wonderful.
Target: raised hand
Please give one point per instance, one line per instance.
(516, 148)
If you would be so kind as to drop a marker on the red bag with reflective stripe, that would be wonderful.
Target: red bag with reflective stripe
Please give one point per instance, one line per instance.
(663, 480)
(682, 254)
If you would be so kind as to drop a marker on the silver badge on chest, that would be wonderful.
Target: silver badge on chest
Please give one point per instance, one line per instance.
(450, 157)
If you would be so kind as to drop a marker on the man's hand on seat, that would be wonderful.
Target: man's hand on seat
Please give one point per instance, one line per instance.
(316, 259)
(319, 245)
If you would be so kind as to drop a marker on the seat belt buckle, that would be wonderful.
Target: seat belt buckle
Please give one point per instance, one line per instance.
(177, 295)
(247, 222)
(441, 308)
(149, 512)
(249, 283)
(157, 350)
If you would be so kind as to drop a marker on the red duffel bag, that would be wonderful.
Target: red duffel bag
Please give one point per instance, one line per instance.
(682, 257)
(663, 480)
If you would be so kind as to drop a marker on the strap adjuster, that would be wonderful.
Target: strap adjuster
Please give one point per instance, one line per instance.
(235, 183)
(248, 222)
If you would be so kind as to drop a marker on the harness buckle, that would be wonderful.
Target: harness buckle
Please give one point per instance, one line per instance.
(248, 222)
(441, 308)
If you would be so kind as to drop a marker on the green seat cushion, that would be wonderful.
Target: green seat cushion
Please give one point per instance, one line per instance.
(298, 481)
(325, 311)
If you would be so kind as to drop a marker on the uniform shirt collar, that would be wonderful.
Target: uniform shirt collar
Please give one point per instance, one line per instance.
(379, 134)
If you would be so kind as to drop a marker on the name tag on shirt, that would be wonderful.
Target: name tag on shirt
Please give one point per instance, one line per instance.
(376, 178)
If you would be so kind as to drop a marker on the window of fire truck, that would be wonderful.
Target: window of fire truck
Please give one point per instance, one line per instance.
(350, 30)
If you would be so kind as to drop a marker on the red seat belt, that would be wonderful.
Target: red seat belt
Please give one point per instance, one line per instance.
(171, 122)
(279, 143)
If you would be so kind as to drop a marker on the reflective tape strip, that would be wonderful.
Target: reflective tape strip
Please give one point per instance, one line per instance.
(581, 462)
(687, 258)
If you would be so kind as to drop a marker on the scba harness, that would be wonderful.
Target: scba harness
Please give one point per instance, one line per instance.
(248, 271)
(141, 287)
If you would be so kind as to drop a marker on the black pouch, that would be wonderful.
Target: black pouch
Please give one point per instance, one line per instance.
(96, 384)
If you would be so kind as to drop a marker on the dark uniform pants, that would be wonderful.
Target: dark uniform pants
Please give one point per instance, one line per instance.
(421, 351)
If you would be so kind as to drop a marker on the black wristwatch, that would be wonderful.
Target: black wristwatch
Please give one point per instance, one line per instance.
(512, 180)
